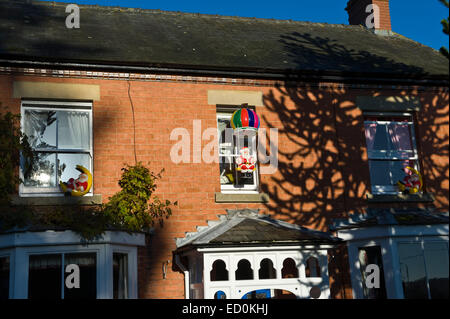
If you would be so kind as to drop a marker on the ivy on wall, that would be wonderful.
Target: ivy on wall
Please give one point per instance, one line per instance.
(13, 143)
(134, 208)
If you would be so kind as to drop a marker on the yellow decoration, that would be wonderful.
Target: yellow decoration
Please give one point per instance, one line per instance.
(73, 186)
(411, 183)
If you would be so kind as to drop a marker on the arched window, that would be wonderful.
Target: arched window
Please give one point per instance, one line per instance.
(289, 269)
(244, 271)
(219, 271)
(312, 267)
(266, 270)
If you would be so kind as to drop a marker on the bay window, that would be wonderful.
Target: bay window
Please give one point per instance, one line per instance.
(60, 133)
(391, 148)
(47, 276)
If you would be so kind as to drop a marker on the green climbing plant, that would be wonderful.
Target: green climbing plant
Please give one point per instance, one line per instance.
(135, 207)
(15, 150)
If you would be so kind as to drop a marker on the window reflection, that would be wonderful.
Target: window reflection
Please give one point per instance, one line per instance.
(44, 277)
(436, 261)
(412, 267)
(88, 276)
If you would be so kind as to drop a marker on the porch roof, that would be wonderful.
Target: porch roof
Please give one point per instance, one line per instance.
(392, 216)
(247, 227)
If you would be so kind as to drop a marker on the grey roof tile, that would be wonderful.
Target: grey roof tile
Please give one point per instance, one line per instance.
(249, 228)
(123, 36)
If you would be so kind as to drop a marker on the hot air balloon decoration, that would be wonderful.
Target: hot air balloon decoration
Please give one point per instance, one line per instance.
(245, 120)
(245, 123)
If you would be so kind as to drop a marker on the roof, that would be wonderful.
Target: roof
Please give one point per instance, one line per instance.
(124, 36)
(247, 227)
(391, 217)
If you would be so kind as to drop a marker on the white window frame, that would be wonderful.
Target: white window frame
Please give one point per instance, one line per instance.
(25, 191)
(246, 189)
(19, 248)
(236, 289)
(393, 156)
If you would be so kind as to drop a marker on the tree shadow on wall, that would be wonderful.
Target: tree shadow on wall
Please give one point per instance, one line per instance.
(323, 171)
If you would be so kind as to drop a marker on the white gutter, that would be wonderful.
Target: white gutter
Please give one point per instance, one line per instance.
(186, 276)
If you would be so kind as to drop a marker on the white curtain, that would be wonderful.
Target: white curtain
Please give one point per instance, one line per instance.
(73, 130)
(370, 130)
(400, 136)
(121, 276)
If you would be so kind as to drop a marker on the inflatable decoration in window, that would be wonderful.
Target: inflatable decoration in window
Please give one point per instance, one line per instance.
(80, 186)
(412, 183)
(245, 123)
(246, 162)
(245, 120)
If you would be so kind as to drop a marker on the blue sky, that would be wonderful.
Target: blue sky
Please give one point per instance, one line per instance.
(416, 19)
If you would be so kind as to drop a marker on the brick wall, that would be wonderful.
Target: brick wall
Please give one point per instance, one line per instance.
(323, 171)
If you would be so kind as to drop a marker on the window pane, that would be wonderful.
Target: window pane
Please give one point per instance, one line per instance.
(227, 170)
(67, 165)
(40, 127)
(45, 173)
(120, 276)
(73, 130)
(88, 276)
(4, 278)
(222, 124)
(436, 258)
(412, 267)
(44, 277)
(387, 172)
(377, 137)
(367, 256)
(389, 140)
(400, 136)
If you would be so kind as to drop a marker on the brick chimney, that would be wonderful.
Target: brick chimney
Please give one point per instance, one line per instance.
(373, 14)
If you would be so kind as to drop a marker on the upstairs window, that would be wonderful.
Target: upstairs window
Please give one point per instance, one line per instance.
(61, 135)
(391, 148)
(237, 157)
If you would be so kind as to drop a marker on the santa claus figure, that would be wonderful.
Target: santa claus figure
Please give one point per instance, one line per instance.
(80, 184)
(411, 183)
(246, 162)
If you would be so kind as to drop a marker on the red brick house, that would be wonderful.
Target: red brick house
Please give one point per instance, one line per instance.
(345, 108)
